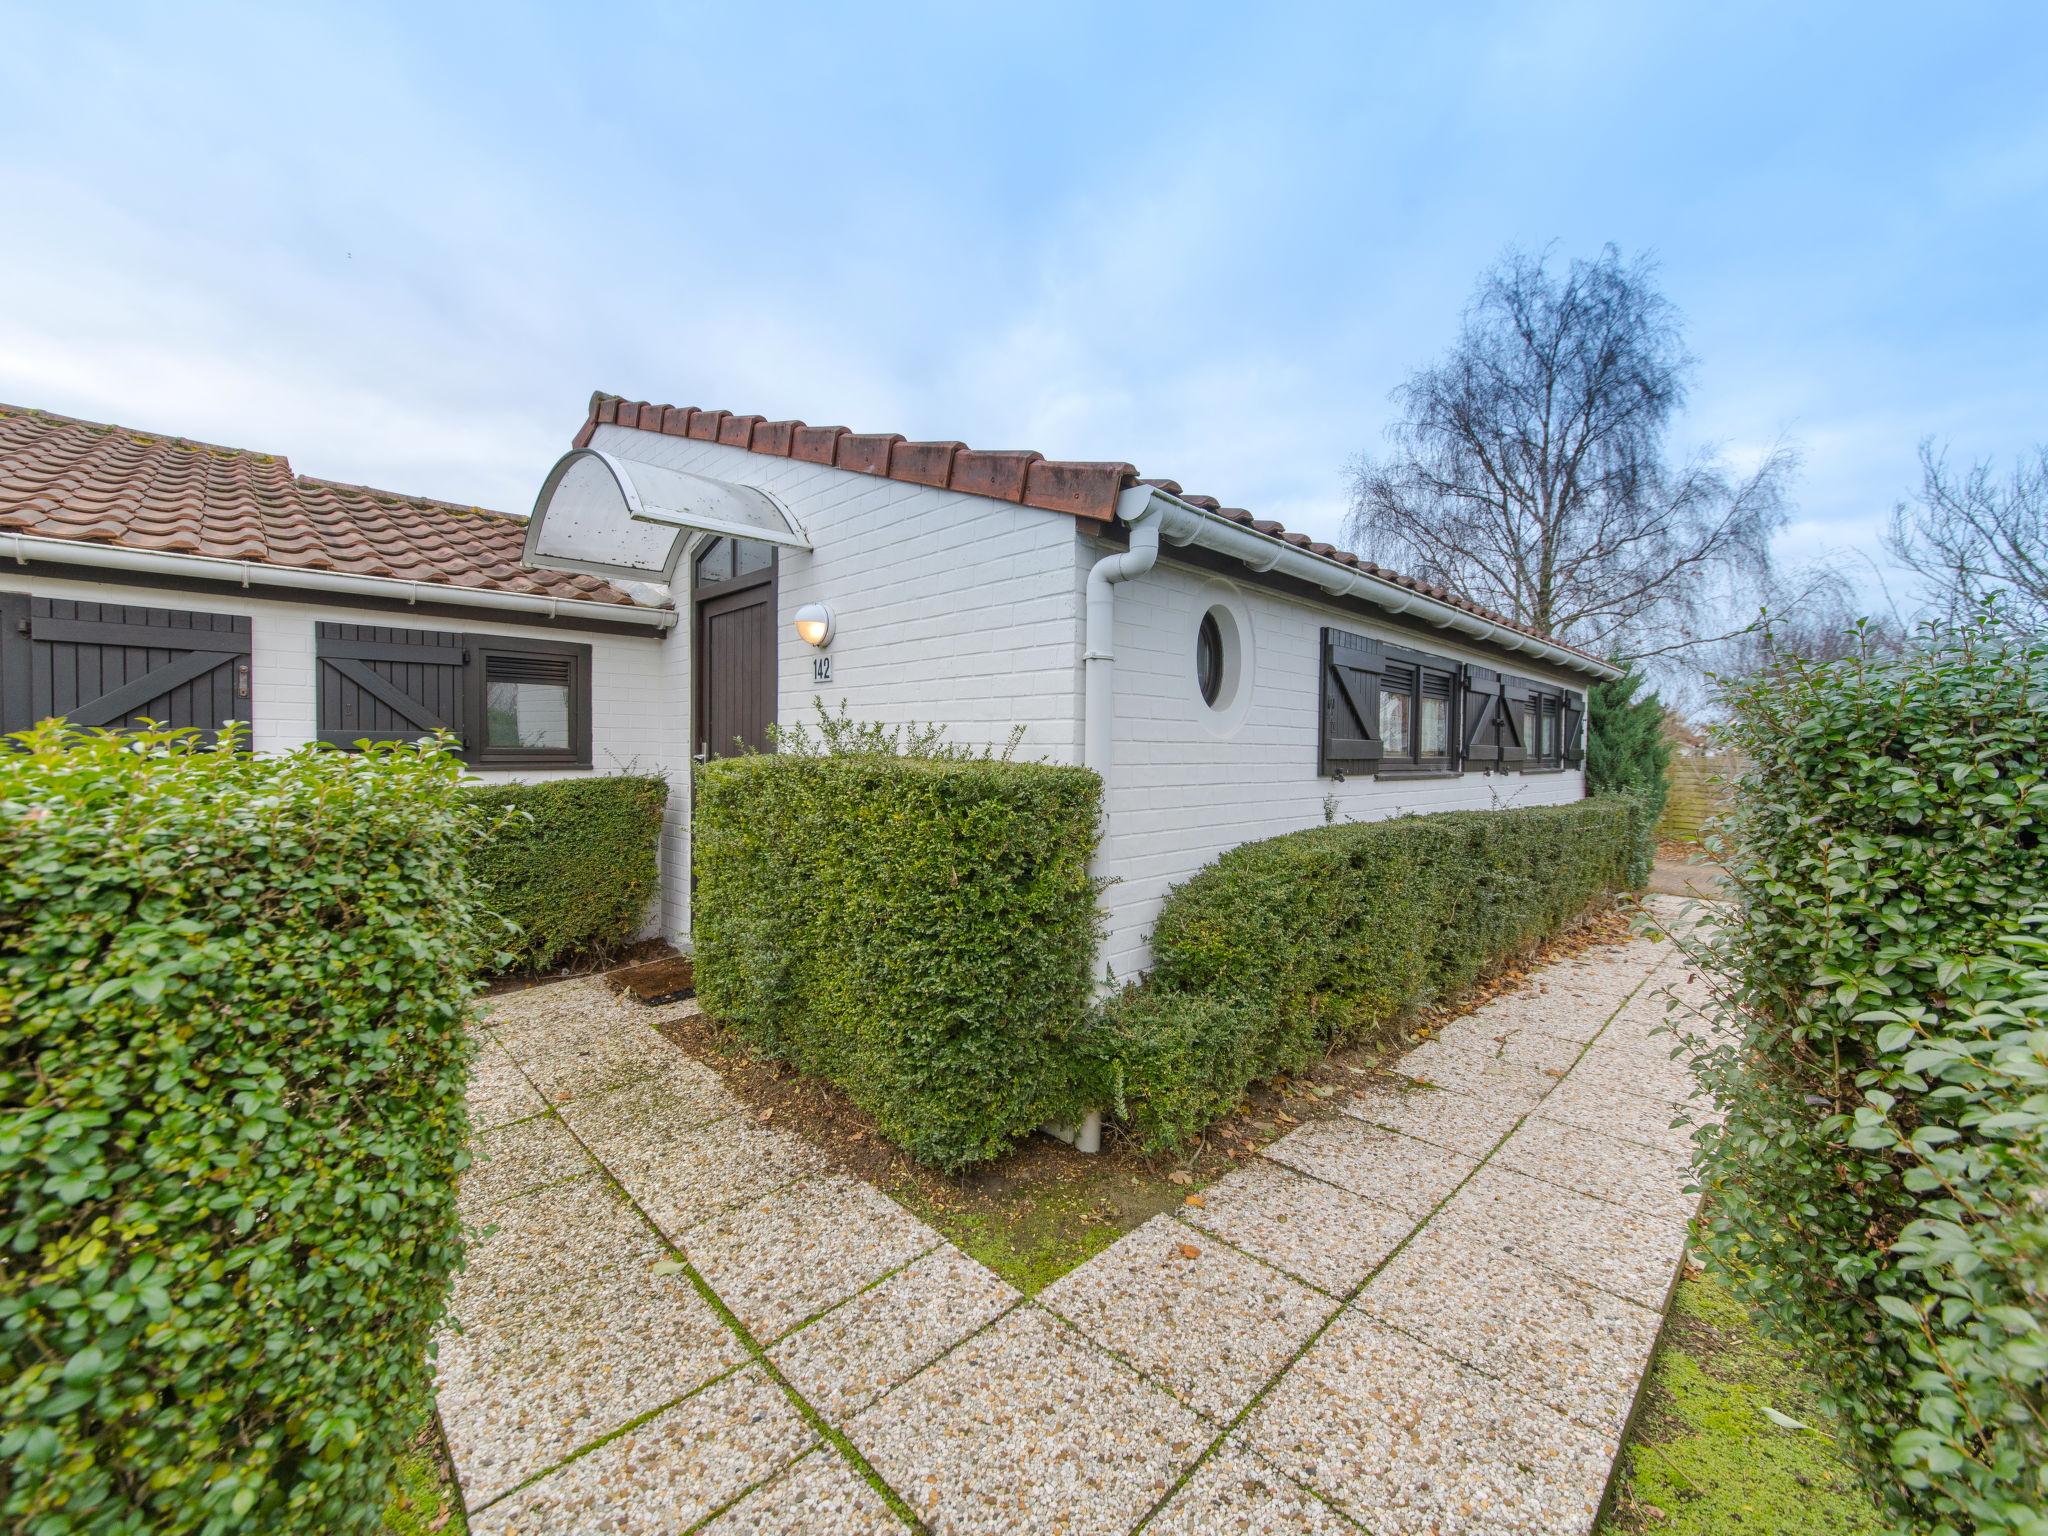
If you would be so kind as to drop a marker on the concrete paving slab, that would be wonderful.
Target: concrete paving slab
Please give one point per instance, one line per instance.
(853, 1354)
(1578, 1349)
(515, 1158)
(1029, 1430)
(561, 1332)
(1407, 1440)
(1202, 1320)
(1612, 1246)
(1519, 1071)
(1329, 1237)
(498, 1091)
(1594, 1105)
(1463, 1122)
(819, 1496)
(681, 1167)
(1234, 1493)
(1653, 1180)
(581, 1063)
(1385, 1167)
(667, 1474)
(783, 1257)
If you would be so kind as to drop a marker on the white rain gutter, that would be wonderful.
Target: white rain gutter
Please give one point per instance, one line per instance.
(25, 547)
(1184, 524)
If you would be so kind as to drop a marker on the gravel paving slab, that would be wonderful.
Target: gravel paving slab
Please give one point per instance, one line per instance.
(1328, 1237)
(1618, 1249)
(1202, 1320)
(516, 1158)
(1463, 1122)
(1407, 1440)
(667, 1474)
(819, 1496)
(1500, 1038)
(680, 1167)
(573, 1064)
(580, 1002)
(1576, 1348)
(1594, 1106)
(1646, 1070)
(1560, 1016)
(1519, 1072)
(498, 1091)
(1233, 1493)
(1028, 1430)
(783, 1257)
(563, 1332)
(854, 1353)
(1606, 1167)
(1385, 1167)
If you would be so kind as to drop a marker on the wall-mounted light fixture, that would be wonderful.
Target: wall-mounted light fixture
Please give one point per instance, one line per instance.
(814, 624)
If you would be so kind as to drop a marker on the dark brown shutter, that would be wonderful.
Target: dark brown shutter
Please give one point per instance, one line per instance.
(111, 664)
(1515, 694)
(1349, 740)
(379, 684)
(1480, 708)
(1574, 717)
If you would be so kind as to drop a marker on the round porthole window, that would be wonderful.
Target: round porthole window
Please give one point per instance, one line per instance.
(1209, 658)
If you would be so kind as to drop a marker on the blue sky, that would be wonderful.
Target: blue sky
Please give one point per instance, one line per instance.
(403, 244)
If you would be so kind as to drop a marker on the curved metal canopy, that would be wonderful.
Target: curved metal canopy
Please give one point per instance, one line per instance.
(630, 521)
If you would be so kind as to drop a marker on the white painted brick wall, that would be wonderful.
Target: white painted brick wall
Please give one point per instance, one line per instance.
(948, 608)
(1190, 784)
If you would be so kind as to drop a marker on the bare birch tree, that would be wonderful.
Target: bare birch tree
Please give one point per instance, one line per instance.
(1528, 471)
(1973, 535)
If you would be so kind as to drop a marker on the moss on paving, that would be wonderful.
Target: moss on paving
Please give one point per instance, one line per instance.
(423, 1501)
(1038, 1235)
(1704, 1459)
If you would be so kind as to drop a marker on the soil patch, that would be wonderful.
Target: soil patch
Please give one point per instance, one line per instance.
(633, 954)
(1043, 1208)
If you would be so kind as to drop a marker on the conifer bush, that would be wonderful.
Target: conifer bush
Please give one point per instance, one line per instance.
(233, 991)
(1880, 1182)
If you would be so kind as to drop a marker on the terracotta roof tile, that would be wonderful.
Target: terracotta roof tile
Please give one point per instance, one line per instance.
(1083, 489)
(67, 479)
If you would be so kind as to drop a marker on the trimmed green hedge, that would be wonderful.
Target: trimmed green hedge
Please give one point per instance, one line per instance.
(920, 930)
(1877, 1184)
(1283, 948)
(573, 864)
(232, 1059)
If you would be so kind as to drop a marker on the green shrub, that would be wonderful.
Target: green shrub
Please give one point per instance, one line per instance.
(573, 864)
(920, 930)
(1878, 1179)
(232, 1052)
(1283, 948)
(1627, 754)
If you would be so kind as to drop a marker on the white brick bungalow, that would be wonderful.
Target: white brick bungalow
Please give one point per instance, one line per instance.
(1228, 679)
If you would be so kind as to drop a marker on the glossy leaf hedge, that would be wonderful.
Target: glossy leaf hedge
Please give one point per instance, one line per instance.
(918, 929)
(1284, 948)
(232, 1053)
(1880, 1185)
(573, 865)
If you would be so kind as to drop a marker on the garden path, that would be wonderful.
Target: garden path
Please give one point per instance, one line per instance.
(1430, 1312)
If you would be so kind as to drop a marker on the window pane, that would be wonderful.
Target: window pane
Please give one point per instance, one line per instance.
(1394, 724)
(1549, 732)
(527, 715)
(714, 561)
(751, 555)
(1209, 658)
(1436, 727)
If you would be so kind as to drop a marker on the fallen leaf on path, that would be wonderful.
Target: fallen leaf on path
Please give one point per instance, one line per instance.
(1190, 1251)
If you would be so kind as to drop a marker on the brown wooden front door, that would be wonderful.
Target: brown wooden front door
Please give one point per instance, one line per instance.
(735, 639)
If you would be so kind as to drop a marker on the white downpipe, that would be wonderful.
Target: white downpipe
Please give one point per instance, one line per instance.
(1098, 659)
(24, 547)
(1098, 686)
